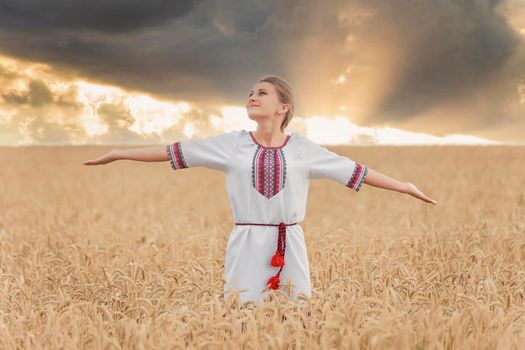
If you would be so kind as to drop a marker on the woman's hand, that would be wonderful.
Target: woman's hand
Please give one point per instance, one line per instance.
(412, 190)
(106, 158)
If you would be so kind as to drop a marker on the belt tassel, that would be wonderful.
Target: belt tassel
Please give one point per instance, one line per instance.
(278, 257)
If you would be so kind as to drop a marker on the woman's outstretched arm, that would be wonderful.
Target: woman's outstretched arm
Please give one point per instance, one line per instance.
(377, 179)
(144, 154)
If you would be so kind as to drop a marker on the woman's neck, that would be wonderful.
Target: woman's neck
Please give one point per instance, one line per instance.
(269, 137)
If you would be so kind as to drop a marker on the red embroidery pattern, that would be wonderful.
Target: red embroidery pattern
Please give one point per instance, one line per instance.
(358, 177)
(175, 155)
(269, 169)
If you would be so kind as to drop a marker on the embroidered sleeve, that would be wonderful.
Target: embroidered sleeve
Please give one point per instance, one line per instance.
(330, 165)
(212, 152)
(175, 156)
(358, 177)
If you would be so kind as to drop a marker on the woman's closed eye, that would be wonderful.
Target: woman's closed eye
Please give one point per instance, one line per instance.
(262, 92)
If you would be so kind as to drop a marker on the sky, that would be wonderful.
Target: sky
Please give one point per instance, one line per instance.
(400, 72)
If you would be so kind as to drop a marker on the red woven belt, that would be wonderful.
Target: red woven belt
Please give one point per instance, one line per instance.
(278, 257)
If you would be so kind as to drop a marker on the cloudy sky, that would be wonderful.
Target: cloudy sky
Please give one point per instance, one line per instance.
(363, 72)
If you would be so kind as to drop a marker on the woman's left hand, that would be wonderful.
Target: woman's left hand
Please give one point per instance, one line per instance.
(412, 190)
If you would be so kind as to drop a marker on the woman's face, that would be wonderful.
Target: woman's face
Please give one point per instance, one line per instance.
(263, 102)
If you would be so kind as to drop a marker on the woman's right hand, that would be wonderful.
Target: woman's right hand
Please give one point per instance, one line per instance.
(106, 158)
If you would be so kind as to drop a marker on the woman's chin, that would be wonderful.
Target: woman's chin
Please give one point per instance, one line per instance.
(254, 117)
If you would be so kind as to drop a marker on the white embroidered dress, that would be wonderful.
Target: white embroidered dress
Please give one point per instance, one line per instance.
(266, 185)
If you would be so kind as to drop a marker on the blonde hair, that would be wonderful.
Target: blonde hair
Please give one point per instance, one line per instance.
(285, 94)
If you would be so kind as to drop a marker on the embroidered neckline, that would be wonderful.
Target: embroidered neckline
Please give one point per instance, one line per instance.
(269, 171)
(257, 143)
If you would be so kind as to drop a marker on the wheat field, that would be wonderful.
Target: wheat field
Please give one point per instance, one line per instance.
(130, 255)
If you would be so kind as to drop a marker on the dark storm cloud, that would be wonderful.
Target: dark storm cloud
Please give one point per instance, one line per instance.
(97, 15)
(407, 57)
(203, 56)
(454, 47)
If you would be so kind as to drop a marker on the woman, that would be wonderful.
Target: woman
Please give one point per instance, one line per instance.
(267, 176)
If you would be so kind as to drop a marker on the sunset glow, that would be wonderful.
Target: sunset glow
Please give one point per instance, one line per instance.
(368, 81)
(148, 116)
